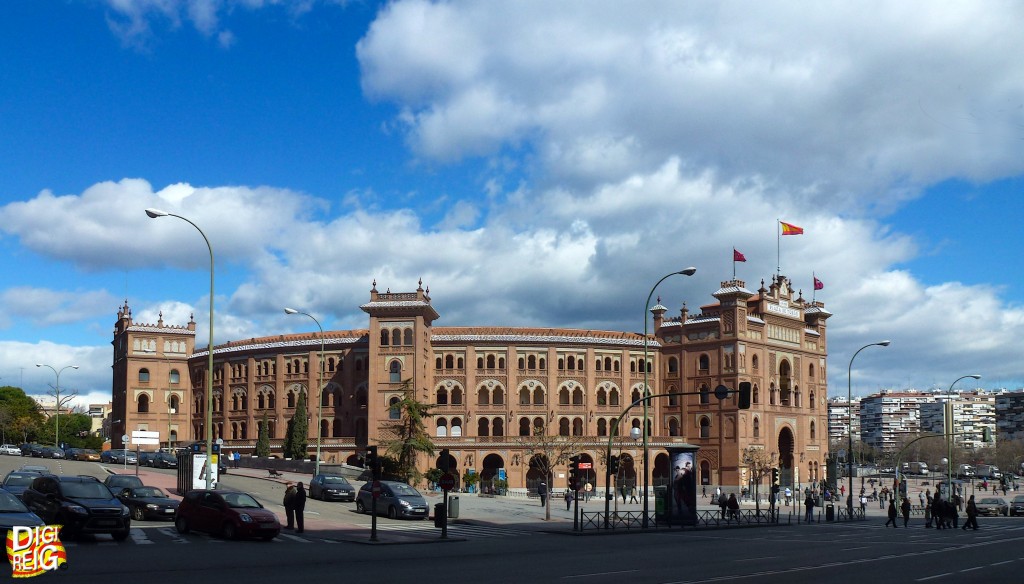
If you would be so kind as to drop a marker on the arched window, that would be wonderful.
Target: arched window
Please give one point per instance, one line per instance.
(705, 395)
(673, 365)
(531, 362)
(395, 371)
(449, 362)
(456, 396)
(524, 426)
(499, 396)
(602, 427)
(613, 397)
(538, 397)
(483, 427)
(174, 404)
(577, 427)
(498, 429)
(442, 397)
(482, 398)
(563, 397)
(813, 435)
(490, 361)
(757, 428)
(673, 427)
(456, 427)
(385, 336)
(143, 404)
(602, 397)
(577, 397)
(479, 362)
(143, 375)
(442, 427)
(705, 427)
(754, 361)
(563, 427)
(291, 399)
(810, 398)
(174, 376)
(524, 396)
(438, 363)
(704, 363)
(407, 338)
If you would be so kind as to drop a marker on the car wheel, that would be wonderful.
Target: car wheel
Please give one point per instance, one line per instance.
(360, 508)
(229, 531)
(137, 514)
(121, 535)
(181, 524)
(392, 512)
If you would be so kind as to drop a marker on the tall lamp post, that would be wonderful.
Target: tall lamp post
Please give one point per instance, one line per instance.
(849, 429)
(153, 214)
(320, 391)
(948, 430)
(56, 411)
(647, 305)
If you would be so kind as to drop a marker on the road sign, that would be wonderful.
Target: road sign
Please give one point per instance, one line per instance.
(124, 438)
(144, 437)
(586, 465)
(446, 482)
(375, 489)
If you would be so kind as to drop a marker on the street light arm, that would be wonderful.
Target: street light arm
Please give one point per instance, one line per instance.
(320, 387)
(849, 419)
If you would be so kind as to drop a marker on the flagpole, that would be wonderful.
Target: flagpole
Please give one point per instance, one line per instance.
(734, 263)
(778, 247)
(814, 286)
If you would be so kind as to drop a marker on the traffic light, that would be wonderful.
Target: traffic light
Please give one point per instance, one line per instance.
(372, 463)
(445, 460)
(744, 391)
(775, 480)
(574, 473)
(613, 465)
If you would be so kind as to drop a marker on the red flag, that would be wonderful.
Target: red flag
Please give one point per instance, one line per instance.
(818, 285)
(790, 229)
(737, 256)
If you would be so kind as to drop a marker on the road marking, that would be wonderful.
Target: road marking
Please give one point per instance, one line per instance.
(293, 537)
(172, 533)
(753, 559)
(971, 569)
(934, 577)
(139, 536)
(599, 574)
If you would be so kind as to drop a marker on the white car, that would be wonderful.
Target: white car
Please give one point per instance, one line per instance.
(10, 449)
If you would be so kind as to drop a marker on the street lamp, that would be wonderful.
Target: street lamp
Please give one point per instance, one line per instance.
(56, 411)
(685, 272)
(153, 214)
(948, 430)
(849, 420)
(320, 392)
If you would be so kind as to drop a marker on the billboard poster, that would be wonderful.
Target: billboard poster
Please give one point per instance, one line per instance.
(683, 488)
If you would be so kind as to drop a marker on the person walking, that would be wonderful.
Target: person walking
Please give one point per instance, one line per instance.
(905, 509)
(863, 505)
(568, 499)
(299, 504)
(723, 502)
(236, 457)
(809, 505)
(938, 510)
(734, 507)
(632, 495)
(972, 515)
(892, 514)
(542, 492)
(289, 505)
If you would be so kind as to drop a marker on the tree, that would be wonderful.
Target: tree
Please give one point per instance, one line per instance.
(25, 415)
(546, 453)
(297, 436)
(759, 463)
(263, 440)
(406, 436)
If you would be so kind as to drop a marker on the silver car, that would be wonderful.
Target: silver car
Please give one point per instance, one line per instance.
(396, 500)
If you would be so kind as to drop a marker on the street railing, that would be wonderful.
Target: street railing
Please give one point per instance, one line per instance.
(594, 520)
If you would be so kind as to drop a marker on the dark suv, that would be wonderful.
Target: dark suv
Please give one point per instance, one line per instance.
(81, 504)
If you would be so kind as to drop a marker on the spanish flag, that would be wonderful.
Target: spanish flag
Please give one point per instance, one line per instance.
(789, 229)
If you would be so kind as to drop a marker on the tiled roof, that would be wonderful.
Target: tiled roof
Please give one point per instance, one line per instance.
(816, 310)
(150, 328)
(732, 290)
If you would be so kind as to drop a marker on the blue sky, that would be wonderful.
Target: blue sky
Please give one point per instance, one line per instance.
(534, 164)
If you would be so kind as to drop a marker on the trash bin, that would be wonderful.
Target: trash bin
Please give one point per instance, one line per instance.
(439, 515)
(830, 512)
(453, 506)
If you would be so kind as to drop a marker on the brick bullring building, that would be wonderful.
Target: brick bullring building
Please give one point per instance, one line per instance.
(493, 385)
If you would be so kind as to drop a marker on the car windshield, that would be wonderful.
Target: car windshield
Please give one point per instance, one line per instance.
(403, 489)
(148, 492)
(240, 501)
(87, 490)
(992, 501)
(11, 504)
(335, 481)
(18, 481)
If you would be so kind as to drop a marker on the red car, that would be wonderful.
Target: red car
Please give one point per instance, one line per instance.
(229, 514)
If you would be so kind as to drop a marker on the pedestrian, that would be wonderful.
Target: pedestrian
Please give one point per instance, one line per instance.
(704, 492)
(920, 497)
(938, 510)
(624, 490)
(892, 514)
(809, 505)
(236, 457)
(952, 517)
(972, 515)
(734, 507)
(632, 495)
(928, 509)
(542, 492)
(863, 505)
(723, 503)
(905, 508)
(289, 505)
(299, 503)
(568, 499)
(842, 490)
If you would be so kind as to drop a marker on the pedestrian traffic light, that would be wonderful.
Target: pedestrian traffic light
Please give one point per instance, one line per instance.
(574, 466)
(372, 463)
(775, 480)
(613, 465)
(744, 392)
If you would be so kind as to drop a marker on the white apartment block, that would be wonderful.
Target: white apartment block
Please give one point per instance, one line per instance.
(972, 412)
(887, 417)
(839, 418)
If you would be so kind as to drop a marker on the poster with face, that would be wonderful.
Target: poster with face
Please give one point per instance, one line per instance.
(683, 495)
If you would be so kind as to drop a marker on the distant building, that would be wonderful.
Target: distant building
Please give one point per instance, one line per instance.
(839, 419)
(889, 416)
(1010, 415)
(972, 411)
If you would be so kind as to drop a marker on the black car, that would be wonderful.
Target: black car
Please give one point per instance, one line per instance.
(328, 487)
(80, 504)
(117, 482)
(17, 481)
(13, 513)
(163, 460)
(148, 503)
(1017, 506)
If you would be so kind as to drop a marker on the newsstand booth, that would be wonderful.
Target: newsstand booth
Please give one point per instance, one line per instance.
(192, 467)
(676, 502)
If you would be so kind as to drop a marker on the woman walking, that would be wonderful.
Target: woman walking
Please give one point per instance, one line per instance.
(892, 514)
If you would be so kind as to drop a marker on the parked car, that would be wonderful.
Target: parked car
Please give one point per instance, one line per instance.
(116, 482)
(145, 458)
(328, 487)
(230, 514)
(17, 481)
(80, 504)
(87, 455)
(35, 450)
(163, 460)
(10, 450)
(993, 506)
(1017, 506)
(107, 456)
(396, 500)
(37, 468)
(53, 452)
(148, 503)
(13, 512)
(118, 457)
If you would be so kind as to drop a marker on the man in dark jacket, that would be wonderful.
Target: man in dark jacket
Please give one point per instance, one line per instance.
(972, 515)
(905, 510)
(542, 492)
(892, 514)
(299, 504)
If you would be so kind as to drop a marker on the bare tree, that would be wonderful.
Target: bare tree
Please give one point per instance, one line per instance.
(547, 452)
(760, 463)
